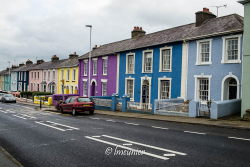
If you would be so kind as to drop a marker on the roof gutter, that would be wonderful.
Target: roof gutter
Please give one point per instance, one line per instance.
(214, 34)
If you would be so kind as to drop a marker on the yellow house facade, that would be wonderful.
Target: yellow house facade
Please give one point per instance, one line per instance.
(68, 76)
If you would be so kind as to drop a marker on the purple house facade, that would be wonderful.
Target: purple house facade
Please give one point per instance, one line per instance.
(103, 73)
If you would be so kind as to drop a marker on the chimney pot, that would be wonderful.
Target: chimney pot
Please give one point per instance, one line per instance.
(202, 16)
(137, 32)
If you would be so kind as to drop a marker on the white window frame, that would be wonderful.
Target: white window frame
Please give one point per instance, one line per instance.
(196, 85)
(85, 68)
(68, 74)
(171, 53)
(104, 59)
(127, 65)
(198, 54)
(53, 75)
(230, 75)
(224, 52)
(143, 63)
(85, 93)
(74, 74)
(106, 82)
(94, 71)
(126, 79)
(159, 86)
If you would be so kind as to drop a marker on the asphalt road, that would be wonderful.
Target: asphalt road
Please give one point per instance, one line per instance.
(46, 139)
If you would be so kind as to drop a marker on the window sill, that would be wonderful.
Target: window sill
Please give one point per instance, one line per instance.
(104, 74)
(203, 64)
(130, 73)
(147, 72)
(231, 62)
(165, 71)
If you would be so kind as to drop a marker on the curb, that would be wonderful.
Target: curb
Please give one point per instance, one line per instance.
(197, 123)
(10, 157)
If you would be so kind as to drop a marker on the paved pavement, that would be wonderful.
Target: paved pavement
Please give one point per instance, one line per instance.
(43, 138)
(6, 160)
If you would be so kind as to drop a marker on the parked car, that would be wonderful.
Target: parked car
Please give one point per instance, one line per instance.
(77, 104)
(1, 95)
(8, 98)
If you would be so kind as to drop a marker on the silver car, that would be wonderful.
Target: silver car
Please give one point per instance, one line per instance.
(8, 98)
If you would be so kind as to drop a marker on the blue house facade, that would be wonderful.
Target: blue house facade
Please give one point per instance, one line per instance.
(151, 73)
(214, 66)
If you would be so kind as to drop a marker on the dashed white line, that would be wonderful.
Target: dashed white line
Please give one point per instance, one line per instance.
(63, 125)
(199, 133)
(110, 120)
(3, 111)
(130, 123)
(238, 138)
(29, 116)
(94, 118)
(169, 155)
(50, 126)
(158, 127)
(19, 117)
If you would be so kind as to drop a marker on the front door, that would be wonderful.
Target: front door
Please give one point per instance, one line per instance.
(93, 89)
(232, 89)
(145, 91)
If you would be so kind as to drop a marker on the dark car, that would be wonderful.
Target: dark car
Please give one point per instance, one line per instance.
(8, 98)
(77, 104)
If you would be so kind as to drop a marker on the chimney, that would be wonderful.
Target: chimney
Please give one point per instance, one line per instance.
(29, 62)
(95, 47)
(13, 67)
(54, 58)
(21, 64)
(72, 56)
(203, 16)
(137, 32)
(39, 61)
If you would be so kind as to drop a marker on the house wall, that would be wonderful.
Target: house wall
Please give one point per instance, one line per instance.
(216, 70)
(246, 61)
(110, 77)
(7, 82)
(49, 79)
(35, 82)
(13, 81)
(67, 83)
(23, 81)
(1, 82)
(175, 74)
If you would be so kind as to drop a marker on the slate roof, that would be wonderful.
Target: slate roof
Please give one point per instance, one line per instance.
(71, 62)
(215, 26)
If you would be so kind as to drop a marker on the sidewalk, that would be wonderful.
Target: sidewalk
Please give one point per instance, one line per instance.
(228, 122)
(6, 160)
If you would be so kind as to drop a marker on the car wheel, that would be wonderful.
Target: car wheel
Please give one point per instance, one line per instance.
(91, 112)
(61, 110)
(74, 112)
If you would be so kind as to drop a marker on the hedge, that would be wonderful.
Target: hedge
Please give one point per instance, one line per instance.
(32, 94)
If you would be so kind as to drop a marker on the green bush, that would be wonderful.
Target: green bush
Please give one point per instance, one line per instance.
(31, 95)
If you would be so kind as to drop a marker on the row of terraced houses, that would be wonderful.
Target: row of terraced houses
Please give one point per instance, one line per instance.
(201, 61)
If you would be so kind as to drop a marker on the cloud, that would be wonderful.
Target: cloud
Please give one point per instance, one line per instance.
(38, 29)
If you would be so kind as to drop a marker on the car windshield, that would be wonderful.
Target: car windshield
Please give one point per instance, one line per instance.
(8, 95)
(83, 99)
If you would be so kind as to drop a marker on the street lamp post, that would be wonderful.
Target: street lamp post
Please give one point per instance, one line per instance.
(90, 31)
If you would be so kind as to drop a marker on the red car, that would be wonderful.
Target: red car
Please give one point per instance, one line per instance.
(77, 104)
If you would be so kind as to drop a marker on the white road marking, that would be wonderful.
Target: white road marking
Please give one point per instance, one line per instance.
(157, 127)
(199, 133)
(28, 116)
(130, 123)
(169, 155)
(128, 148)
(145, 145)
(110, 120)
(63, 125)
(3, 111)
(96, 136)
(238, 138)
(50, 126)
(19, 117)
(94, 118)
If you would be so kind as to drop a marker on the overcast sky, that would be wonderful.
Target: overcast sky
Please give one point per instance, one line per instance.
(38, 29)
